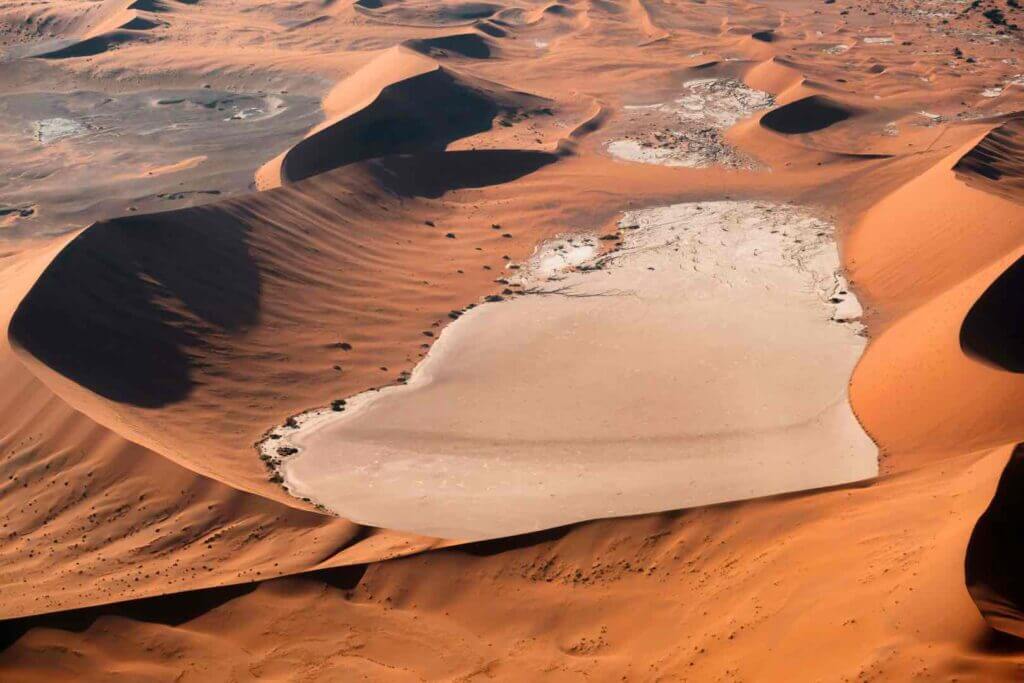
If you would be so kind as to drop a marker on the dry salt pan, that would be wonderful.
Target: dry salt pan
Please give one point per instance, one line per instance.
(48, 131)
(690, 130)
(558, 257)
(705, 360)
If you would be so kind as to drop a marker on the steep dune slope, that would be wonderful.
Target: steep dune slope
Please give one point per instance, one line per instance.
(724, 593)
(962, 329)
(281, 324)
(676, 566)
(89, 517)
(807, 115)
(235, 307)
(992, 329)
(253, 309)
(148, 353)
(965, 239)
(99, 28)
(994, 553)
(286, 327)
(254, 297)
(400, 103)
(471, 45)
(994, 164)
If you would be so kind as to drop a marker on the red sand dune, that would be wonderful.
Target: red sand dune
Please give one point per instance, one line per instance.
(145, 355)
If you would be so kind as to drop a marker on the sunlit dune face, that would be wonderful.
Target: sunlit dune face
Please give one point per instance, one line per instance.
(518, 339)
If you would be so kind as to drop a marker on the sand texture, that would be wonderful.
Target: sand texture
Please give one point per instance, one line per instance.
(515, 339)
(666, 356)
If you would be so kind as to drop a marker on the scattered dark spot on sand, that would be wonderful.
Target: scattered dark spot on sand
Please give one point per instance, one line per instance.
(173, 196)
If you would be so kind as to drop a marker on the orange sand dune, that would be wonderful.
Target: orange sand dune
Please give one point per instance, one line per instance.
(993, 165)
(734, 591)
(147, 354)
(104, 26)
(923, 307)
(121, 520)
(400, 103)
(262, 297)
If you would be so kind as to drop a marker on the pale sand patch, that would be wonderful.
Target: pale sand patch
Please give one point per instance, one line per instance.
(690, 130)
(703, 362)
(48, 131)
(643, 153)
(555, 258)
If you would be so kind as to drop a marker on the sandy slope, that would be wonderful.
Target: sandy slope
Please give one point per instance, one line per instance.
(153, 351)
(87, 516)
(735, 592)
(927, 305)
(664, 354)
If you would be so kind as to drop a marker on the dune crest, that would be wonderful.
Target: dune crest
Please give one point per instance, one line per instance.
(223, 221)
(993, 165)
(399, 103)
(103, 26)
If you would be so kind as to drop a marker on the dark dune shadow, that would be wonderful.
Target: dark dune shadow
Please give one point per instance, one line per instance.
(466, 11)
(423, 113)
(431, 175)
(309, 22)
(491, 29)
(999, 643)
(996, 164)
(706, 66)
(121, 307)
(170, 610)
(342, 578)
(498, 546)
(471, 45)
(559, 10)
(995, 555)
(90, 46)
(808, 115)
(591, 125)
(606, 6)
(764, 36)
(139, 24)
(438, 15)
(153, 5)
(993, 330)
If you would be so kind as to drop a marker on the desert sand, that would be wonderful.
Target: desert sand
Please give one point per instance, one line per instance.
(704, 351)
(333, 348)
